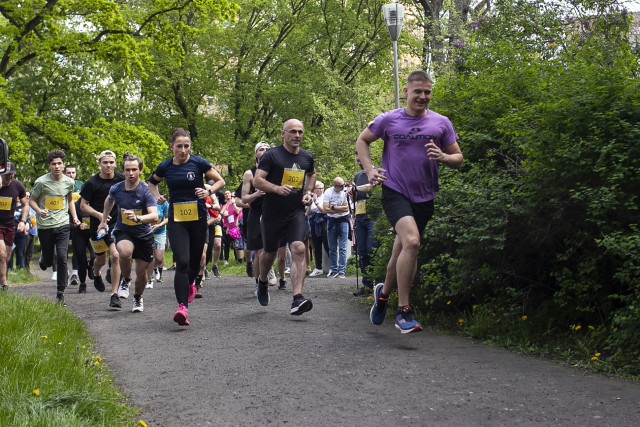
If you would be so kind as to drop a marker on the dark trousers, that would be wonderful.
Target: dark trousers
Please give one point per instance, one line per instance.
(187, 241)
(320, 242)
(28, 250)
(80, 243)
(365, 242)
(55, 238)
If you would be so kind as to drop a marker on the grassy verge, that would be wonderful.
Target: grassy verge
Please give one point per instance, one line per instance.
(50, 374)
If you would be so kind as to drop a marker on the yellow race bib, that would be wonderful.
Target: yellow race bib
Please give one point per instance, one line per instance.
(185, 211)
(99, 246)
(53, 203)
(86, 221)
(294, 178)
(75, 197)
(5, 203)
(218, 231)
(361, 207)
(127, 221)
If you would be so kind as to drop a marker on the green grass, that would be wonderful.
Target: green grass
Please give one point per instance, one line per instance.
(20, 277)
(50, 374)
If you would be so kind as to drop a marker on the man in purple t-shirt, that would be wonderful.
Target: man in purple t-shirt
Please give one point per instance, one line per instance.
(415, 139)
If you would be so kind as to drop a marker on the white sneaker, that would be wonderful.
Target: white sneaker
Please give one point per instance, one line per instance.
(315, 272)
(54, 276)
(271, 277)
(123, 289)
(157, 274)
(149, 284)
(287, 270)
(138, 306)
(330, 273)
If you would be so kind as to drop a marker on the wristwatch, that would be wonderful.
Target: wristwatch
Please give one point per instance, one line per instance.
(138, 218)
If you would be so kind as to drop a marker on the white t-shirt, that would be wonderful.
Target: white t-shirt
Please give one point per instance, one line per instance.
(337, 199)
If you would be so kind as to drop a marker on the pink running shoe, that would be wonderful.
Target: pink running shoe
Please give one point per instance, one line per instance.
(192, 293)
(181, 317)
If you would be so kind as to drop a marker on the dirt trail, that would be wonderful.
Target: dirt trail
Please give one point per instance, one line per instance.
(243, 364)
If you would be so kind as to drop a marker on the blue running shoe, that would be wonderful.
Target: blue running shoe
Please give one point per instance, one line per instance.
(379, 309)
(300, 305)
(404, 321)
(263, 293)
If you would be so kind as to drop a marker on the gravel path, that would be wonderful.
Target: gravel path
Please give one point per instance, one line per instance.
(243, 364)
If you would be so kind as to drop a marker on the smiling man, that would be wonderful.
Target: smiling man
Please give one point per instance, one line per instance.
(416, 140)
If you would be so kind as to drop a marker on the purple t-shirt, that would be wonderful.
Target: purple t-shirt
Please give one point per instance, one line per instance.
(404, 156)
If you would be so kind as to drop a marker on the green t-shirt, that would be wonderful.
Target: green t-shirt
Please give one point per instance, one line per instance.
(52, 195)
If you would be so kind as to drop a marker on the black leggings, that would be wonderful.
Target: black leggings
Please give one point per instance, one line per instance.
(212, 236)
(187, 242)
(318, 243)
(227, 241)
(80, 243)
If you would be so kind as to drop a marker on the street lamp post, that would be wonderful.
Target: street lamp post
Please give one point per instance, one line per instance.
(393, 14)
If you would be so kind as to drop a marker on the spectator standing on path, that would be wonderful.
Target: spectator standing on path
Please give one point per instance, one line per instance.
(71, 172)
(287, 175)
(12, 192)
(317, 222)
(52, 199)
(365, 240)
(336, 206)
(133, 234)
(230, 216)
(214, 224)
(416, 140)
(93, 194)
(187, 227)
(253, 197)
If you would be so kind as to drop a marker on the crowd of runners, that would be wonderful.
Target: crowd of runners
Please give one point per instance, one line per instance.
(117, 217)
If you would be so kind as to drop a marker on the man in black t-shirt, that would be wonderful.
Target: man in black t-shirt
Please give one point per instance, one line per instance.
(287, 175)
(93, 193)
(12, 192)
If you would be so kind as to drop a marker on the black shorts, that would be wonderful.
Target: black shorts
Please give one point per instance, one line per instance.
(254, 234)
(293, 226)
(396, 205)
(142, 246)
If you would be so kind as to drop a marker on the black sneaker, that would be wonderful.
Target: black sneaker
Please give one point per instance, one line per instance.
(108, 275)
(90, 272)
(114, 302)
(41, 264)
(60, 299)
(215, 271)
(263, 294)
(98, 283)
(249, 269)
(172, 268)
(74, 280)
(364, 290)
(82, 289)
(282, 285)
(300, 305)
(3, 287)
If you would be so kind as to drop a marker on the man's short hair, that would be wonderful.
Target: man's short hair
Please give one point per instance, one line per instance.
(55, 154)
(418, 76)
(132, 158)
(69, 167)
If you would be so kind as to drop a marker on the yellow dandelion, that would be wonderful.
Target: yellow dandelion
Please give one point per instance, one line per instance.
(493, 314)
(82, 346)
(142, 423)
(448, 302)
(99, 359)
(36, 392)
(524, 317)
(591, 327)
(44, 336)
(597, 354)
(594, 358)
(460, 321)
(475, 306)
(577, 328)
(370, 297)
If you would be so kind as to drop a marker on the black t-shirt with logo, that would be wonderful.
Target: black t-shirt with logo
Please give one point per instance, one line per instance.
(283, 168)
